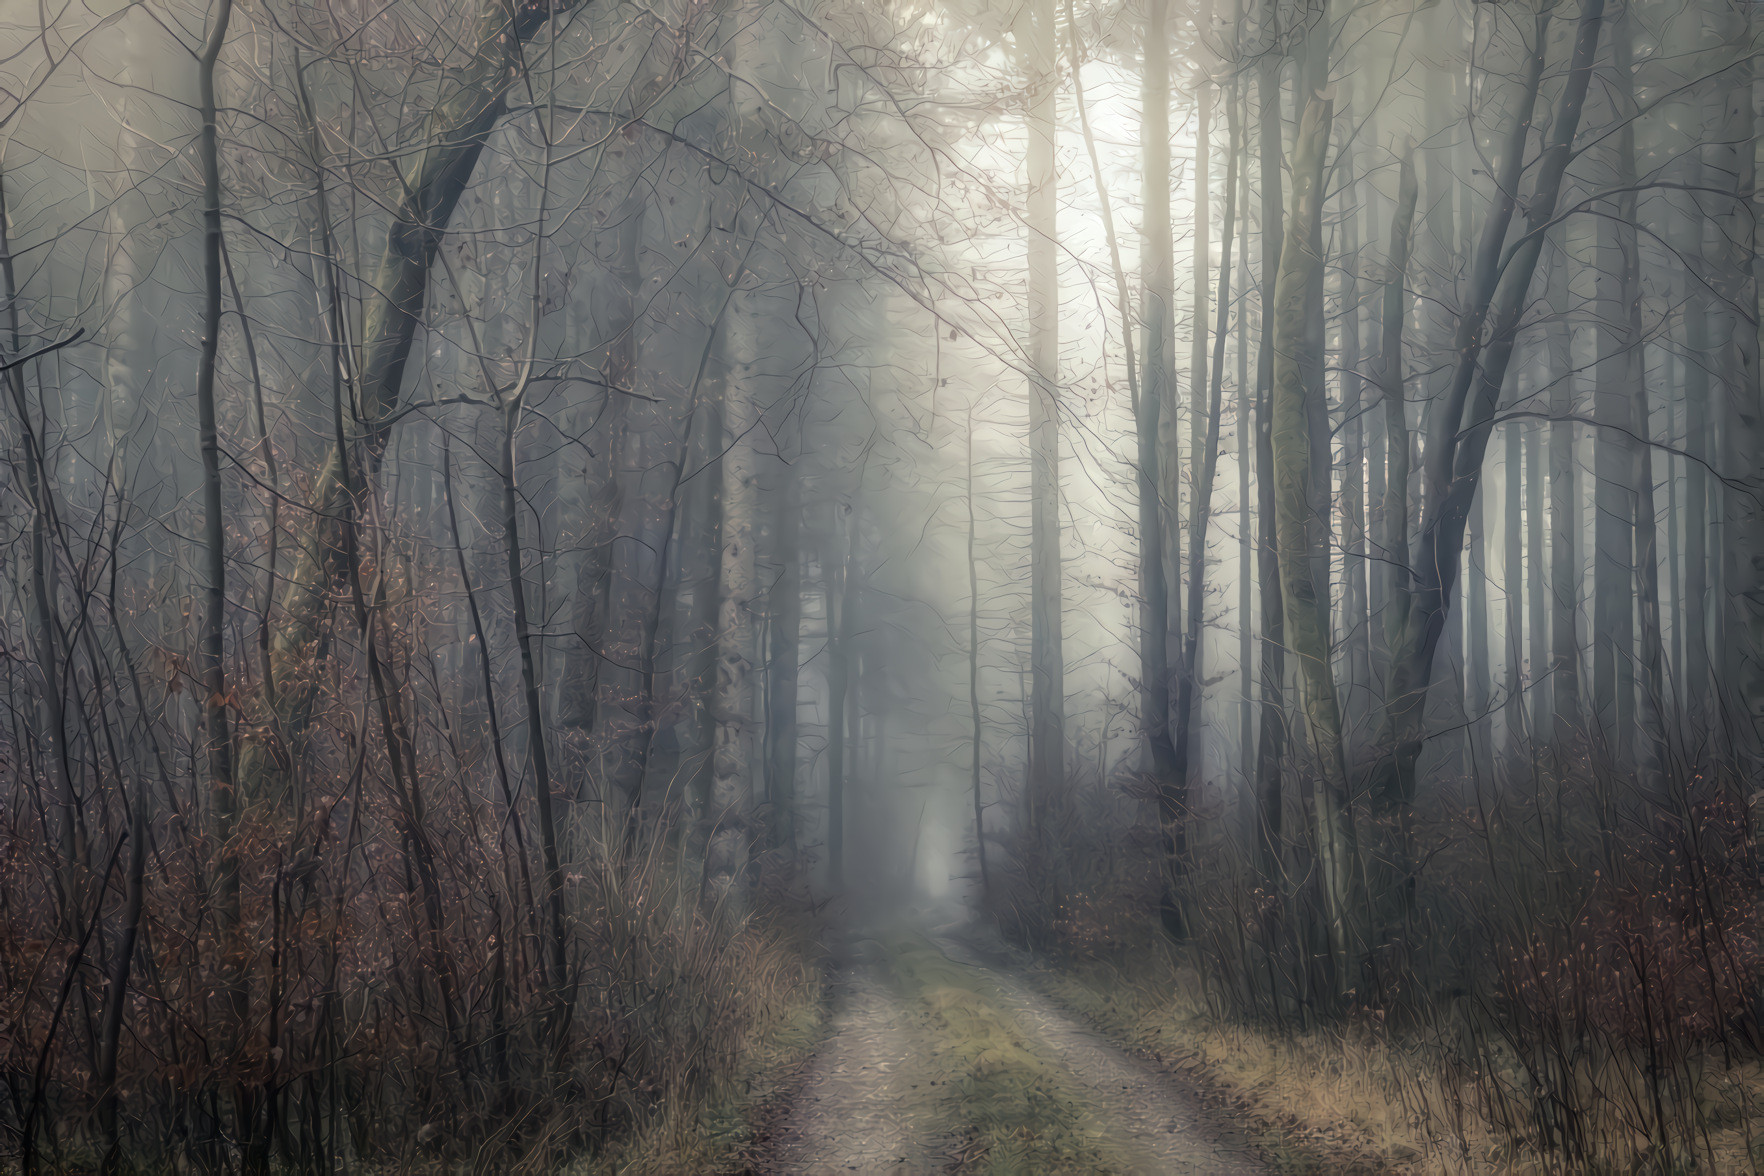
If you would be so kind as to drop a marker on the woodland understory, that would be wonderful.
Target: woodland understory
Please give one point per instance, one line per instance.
(524, 523)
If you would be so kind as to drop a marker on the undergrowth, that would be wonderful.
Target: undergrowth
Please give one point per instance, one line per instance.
(705, 1128)
(1351, 1096)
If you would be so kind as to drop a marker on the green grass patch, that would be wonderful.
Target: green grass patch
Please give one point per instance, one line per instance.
(1016, 1107)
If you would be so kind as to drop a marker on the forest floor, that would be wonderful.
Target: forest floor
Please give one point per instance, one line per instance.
(941, 1055)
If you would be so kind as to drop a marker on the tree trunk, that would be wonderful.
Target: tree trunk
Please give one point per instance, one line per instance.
(784, 619)
(116, 995)
(731, 797)
(596, 501)
(1200, 185)
(1732, 162)
(1565, 562)
(1477, 686)
(1651, 746)
(1698, 515)
(1613, 660)
(1298, 360)
(838, 567)
(1393, 876)
(1392, 374)
(1499, 290)
(1537, 630)
(45, 625)
(1246, 553)
(1157, 313)
(1513, 738)
(1047, 658)
(470, 101)
(211, 651)
(1696, 672)
(1271, 741)
(1354, 621)
(1174, 801)
(538, 754)
(974, 672)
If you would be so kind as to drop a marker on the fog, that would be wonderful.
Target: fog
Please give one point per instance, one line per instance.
(579, 572)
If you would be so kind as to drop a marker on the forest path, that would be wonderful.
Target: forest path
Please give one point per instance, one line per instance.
(1148, 1120)
(942, 1058)
(866, 1101)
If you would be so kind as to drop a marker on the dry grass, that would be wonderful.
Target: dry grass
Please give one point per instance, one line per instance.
(1322, 1099)
(704, 1126)
(1352, 1098)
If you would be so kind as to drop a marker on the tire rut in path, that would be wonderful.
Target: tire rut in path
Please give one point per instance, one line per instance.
(869, 1101)
(865, 1102)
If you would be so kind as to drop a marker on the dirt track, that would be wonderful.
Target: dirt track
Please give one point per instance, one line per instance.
(880, 1095)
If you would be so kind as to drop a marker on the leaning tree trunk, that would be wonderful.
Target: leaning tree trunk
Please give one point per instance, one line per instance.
(470, 100)
(1499, 292)
(1421, 618)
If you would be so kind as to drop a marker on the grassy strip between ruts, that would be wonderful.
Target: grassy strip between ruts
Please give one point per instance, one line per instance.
(1016, 1108)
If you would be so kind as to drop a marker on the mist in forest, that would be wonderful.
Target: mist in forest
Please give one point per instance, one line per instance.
(673, 586)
